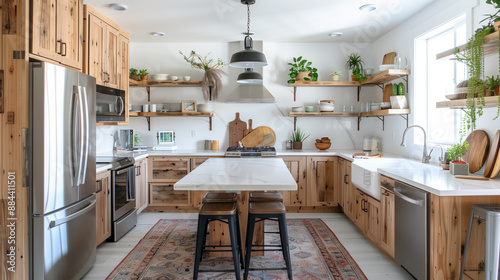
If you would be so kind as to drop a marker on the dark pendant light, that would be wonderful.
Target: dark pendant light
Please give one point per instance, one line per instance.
(248, 58)
(249, 77)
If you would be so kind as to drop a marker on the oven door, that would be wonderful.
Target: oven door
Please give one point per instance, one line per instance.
(123, 191)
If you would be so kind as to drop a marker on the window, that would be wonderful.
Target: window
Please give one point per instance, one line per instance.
(434, 79)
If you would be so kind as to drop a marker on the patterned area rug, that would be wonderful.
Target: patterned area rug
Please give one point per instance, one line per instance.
(167, 252)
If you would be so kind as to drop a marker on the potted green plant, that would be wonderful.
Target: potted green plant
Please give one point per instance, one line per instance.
(211, 83)
(144, 74)
(134, 74)
(355, 64)
(492, 85)
(335, 75)
(398, 98)
(301, 70)
(297, 138)
(473, 56)
(493, 19)
(455, 154)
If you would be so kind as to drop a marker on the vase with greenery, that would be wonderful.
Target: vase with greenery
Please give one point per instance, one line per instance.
(297, 138)
(473, 56)
(301, 69)
(134, 74)
(213, 74)
(137, 139)
(355, 64)
(144, 74)
(335, 75)
(455, 154)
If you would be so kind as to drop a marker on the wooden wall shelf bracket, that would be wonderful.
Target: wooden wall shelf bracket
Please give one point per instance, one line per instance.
(148, 119)
(294, 93)
(294, 123)
(210, 120)
(148, 89)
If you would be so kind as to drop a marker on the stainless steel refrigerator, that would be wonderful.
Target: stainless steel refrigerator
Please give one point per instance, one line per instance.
(62, 181)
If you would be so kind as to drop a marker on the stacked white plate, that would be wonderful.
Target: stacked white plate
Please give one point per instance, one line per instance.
(159, 77)
(298, 109)
(385, 67)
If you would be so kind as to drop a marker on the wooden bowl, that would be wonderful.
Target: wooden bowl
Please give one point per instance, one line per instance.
(323, 146)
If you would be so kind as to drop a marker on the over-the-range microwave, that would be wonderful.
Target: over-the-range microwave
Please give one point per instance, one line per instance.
(110, 104)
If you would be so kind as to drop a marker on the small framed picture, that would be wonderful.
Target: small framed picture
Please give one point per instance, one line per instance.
(166, 137)
(188, 106)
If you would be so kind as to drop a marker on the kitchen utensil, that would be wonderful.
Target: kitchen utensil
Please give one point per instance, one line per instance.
(269, 136)
(247, 131)
(401, 62)
(323, 146)
(472, 177)
(495, 144)
(389, 58)
(259, 137)
(478, 148)
(387, 93)
(208, 144)
(236, 129)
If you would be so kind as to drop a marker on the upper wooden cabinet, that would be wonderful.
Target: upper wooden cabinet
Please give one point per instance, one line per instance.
(106, 50)
(57, 31)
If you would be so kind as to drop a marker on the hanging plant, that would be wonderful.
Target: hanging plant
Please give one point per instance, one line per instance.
(473, 57)
(212, 79)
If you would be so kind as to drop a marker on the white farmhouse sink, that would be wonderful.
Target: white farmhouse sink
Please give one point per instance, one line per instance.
(364, 174)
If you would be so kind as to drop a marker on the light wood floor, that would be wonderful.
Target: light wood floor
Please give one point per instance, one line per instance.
(372, 262)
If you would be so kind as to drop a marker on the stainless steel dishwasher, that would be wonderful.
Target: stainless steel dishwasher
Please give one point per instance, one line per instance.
(411, 236)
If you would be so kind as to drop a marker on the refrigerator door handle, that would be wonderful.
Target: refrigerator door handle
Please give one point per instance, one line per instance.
(85, 134)
(59, 222)
(81, 135)
(75, 138)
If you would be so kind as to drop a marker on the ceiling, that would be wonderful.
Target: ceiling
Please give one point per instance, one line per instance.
(272, 20)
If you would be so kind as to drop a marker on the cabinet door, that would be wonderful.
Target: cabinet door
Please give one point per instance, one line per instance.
(167, 169)
(123, 62)
(141, 185)
(163, 194)
(95, 49)
(197, 196)
(321, 172)
(111, 57)
(387, 221)
(373, 223)
(297, 167)
(103, 207)
(349, 192)
(43, 29)
(360, 210)
(69, 32)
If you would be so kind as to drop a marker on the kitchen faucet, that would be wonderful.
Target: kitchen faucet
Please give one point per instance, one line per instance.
(425, 157)
(441, 158)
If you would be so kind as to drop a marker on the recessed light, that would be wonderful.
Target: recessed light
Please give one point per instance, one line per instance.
(118, 7)
(335, 34)
(368, 8)
(157, 33)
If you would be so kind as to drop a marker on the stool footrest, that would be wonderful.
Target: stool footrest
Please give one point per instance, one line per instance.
(216, 270)
(267, 250)
(266, 245)
(267, 268)
(217, 251)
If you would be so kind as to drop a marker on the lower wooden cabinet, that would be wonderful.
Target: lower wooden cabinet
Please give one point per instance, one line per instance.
(197, 196)
(348, 192)
(103, 207)
(387, 221)
(297, 167)
(368, 216)
(141, 185)
(321, 181)
(163, 194)
(163, 173)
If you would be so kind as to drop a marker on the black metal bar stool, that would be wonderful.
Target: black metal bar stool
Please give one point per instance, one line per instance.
(225, 213)
(261, 211)
(490, 213)
(265, 197)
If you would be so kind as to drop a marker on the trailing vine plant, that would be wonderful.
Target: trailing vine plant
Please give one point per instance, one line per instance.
(473, 57)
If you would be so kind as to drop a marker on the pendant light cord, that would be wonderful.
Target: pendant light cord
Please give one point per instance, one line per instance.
(248, 19)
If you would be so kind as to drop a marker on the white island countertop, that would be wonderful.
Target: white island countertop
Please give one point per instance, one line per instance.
(239, 174)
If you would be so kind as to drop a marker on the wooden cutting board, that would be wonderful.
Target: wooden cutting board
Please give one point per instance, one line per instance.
(387, 93)
(260, 136)
(247, 131)
(479, 144)
(389, 58)
(236, 130)
(493, 163)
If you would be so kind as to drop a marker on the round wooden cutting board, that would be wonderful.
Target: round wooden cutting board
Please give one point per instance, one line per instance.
(493, 163)
(478, 149)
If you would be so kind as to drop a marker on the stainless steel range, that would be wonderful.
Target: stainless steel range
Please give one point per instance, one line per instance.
(250, 152)
(123, 212)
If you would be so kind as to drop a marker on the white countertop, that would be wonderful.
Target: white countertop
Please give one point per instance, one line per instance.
(239, 174)
(102, 167)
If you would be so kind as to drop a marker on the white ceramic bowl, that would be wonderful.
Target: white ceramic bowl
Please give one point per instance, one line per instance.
(174, 78)
(327, 102)
(326, 108)
(385, 105)
(384, 67)
(204, 108)
(298, 109)
(375, 107)
(159, 77)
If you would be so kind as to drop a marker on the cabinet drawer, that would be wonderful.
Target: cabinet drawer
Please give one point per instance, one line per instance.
(165, 195)
(168, 170)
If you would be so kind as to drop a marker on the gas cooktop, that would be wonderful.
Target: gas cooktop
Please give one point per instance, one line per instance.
(250, 152)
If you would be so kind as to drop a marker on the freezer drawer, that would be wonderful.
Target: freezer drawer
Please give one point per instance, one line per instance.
(63, 242)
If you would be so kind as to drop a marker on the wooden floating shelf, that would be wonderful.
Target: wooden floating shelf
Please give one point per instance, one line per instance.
(377, 80)
(489, 101)
(380, 114)
(148, 115)
(134, 83)
(490, 46)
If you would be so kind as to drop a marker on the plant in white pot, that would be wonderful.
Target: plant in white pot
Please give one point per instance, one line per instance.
(335, 75)
(297, 138)
(455, 154)
(398, 98)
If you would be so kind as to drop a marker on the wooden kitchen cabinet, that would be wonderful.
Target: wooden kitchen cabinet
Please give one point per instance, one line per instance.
(103, 207)
(141, 185)
(298, 198)
(197, 196)
(321, 181)
(387, 221)
(163, 172)
(347, 197)
(57, 31)
(368, 216)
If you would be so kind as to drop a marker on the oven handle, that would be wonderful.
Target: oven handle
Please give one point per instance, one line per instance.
(59, 222)
(121, 171)
(397, 191)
